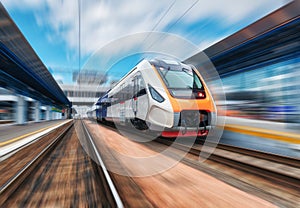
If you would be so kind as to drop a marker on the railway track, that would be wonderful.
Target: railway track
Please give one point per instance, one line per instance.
(115, 195)
(276, 182)
(293, 162)
(16, 164)
(275, 178)
(61, 174)
(280, 169)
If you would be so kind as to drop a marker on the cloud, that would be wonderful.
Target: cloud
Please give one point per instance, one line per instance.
(104, 21)
(23, 4)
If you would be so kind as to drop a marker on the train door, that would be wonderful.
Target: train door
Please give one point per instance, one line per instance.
(135, 95)
(140, 97)
(122, 104)
(139, 102)
(143, 102)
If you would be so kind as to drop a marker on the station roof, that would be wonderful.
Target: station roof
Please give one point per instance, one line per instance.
(22, 70)
(272, 39)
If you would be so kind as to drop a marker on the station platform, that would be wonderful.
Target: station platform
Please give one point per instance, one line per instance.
(10, 133)
(275, 137)
(12, 137)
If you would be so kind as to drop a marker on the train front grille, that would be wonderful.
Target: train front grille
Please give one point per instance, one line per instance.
(194, 118)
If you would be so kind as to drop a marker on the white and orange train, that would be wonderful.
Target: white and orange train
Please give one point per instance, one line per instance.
(160, 95)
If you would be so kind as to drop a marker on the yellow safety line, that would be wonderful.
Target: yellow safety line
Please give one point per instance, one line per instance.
(25, 135)
(265, 133)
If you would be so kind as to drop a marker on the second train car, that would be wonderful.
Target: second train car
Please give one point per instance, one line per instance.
(166, 96)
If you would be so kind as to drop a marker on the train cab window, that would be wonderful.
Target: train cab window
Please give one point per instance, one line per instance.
(180, 79)
(139, 86)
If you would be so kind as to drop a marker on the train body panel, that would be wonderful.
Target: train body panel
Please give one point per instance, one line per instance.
(167, 96)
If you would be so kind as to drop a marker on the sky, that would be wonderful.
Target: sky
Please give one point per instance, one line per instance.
(68, 34)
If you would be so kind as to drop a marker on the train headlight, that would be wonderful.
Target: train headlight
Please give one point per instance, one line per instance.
(155, 95)
(200, 94)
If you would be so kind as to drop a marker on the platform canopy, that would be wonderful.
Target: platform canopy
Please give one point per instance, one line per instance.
(270, 40)
(21, 70)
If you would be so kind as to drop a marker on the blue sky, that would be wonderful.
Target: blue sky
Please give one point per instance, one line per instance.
(52, 26)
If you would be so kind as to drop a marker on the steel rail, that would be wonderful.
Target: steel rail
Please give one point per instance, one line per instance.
(112, 187)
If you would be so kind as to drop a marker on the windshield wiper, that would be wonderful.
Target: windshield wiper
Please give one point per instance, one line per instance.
(187, 71)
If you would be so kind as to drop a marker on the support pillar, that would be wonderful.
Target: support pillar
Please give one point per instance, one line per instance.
(48, 113)
(21, 110)
(37, 111)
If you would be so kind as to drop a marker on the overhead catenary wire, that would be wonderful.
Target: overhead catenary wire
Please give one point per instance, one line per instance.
(172, 25)
(79, 41)
(186, 11)
(79, 35)
(159, 21)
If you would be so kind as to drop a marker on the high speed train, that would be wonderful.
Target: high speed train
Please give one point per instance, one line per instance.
(165, 96)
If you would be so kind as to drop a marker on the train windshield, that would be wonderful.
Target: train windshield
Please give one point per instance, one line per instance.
(180, 79)
(178, 76)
